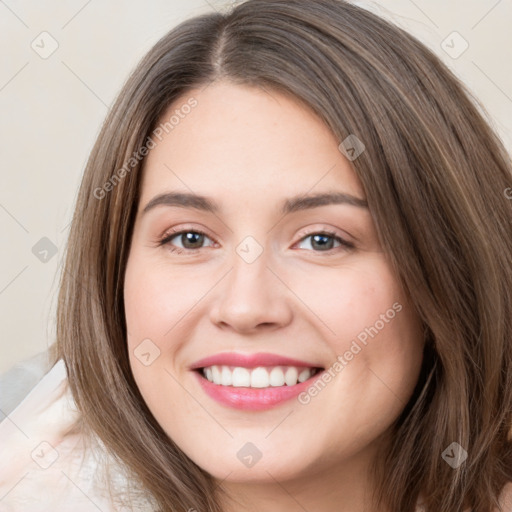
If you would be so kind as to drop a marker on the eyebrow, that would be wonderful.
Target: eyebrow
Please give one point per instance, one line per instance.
(290, 205)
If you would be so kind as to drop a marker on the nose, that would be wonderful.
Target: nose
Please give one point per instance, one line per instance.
(252, 297)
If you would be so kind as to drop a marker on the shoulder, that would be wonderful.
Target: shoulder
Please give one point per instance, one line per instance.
(48, 461)
(38, 446)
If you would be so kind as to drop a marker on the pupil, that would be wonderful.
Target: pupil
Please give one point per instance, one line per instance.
(323, 241)
(323, 244)
(189, 237)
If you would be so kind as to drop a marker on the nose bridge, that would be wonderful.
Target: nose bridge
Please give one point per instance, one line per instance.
(251, 294)
(250, 274)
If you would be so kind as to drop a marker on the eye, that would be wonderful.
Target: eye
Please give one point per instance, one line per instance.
(191, 240)
(325, 240)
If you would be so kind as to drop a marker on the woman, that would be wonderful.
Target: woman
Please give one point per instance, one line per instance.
(288, 283)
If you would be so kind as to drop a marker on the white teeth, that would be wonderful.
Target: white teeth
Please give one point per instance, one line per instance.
(217, 378)
(226, 376)
(304, 375)
(260, 377)
(276, 377)
(291, 375)
(241, 378)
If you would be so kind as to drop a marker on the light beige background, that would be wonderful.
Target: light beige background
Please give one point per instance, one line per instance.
(52, 109)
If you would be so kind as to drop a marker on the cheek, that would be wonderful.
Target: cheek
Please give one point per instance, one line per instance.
(352, 301)
(148, 302)
(162, 305)
(336, 306)
(157, 298)
(375, 339)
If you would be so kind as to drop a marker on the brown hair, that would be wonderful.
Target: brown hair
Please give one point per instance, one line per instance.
(434, 175)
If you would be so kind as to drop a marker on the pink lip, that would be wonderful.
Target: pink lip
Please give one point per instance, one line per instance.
(252, 399)
(250, 360)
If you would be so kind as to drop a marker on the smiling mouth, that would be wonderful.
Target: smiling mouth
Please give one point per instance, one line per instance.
(258, 377)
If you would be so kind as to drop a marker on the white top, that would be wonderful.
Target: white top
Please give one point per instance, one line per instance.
(47, 464)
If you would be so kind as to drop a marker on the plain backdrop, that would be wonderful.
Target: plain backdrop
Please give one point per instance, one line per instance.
(62, 64)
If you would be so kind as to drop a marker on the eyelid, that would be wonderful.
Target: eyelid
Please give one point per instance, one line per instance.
(331, 231)
(169, 234)
(172, 232)
(345, 244)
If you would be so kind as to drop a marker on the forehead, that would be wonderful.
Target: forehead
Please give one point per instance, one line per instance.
(259, 144)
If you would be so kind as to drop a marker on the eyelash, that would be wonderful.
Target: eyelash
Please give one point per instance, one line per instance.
(169, 235)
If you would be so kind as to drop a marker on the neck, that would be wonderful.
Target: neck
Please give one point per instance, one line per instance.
(333, 488)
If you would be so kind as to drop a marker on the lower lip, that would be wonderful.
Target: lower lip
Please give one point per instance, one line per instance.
(253, 399)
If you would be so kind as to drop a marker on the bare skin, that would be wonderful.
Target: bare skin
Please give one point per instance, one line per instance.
(249, 150)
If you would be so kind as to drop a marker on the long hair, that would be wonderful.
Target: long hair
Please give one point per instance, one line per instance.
(435, 177)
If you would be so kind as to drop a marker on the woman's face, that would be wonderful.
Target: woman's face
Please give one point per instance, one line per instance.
(280, 285)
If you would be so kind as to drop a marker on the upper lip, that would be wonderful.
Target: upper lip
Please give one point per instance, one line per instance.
(250, 360)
